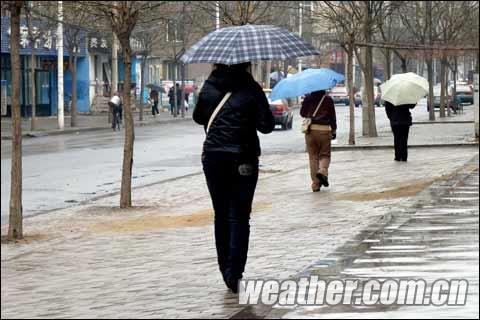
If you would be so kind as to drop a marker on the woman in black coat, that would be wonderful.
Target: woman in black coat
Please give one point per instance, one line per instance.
(230, 159)
(400, 121)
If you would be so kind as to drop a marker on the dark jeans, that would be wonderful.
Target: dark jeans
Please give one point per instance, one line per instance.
(400, 135)
(231, 180)
(155, 108)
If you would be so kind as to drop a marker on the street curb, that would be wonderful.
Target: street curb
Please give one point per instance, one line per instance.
(445, 122)
(419, 146)
(46, 133)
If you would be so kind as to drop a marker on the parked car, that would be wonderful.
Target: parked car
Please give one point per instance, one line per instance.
(376, 93)
(339, 94)
(464, 94)
(282, 114)
(436, 98)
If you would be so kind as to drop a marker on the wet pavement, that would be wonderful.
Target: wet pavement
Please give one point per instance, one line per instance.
(158, 258)
(63, 171)
(438, 239)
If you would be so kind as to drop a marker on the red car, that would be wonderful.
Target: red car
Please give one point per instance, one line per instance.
(282, 114)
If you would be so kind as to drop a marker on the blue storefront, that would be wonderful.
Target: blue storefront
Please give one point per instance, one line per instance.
(45, 72)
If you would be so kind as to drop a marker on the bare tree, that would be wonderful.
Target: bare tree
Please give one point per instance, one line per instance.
(334, 17)
(145, 39)
(454, 17)
(418, 17)
(15, 227)
(122, 17)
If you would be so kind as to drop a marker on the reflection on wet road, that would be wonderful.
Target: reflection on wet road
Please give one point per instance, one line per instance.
(438, 240)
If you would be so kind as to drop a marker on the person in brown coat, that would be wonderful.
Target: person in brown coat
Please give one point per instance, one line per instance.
(322, 130)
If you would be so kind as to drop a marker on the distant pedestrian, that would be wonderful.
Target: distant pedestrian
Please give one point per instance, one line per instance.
(232, 107)
(180, 102)
(400, 121)
(320, 108)
(186, 101)
(171, 100)
(115, 106)
(154, 97)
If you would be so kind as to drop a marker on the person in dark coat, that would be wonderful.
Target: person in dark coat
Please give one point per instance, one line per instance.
(319, 140)
(171, 100)
(154, 96)
(400, 121)
(230, 159)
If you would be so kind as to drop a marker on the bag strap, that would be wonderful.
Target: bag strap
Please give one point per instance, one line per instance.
(217, 109)
(318, 107)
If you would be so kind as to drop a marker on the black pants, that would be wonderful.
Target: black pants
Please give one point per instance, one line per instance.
(231, 180)
(155, 108)
(400, 135)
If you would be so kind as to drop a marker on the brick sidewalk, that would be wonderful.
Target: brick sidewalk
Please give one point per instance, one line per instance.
(436, 239)
(158, 259)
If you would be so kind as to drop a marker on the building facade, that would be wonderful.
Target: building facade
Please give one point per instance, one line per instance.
(45, 65)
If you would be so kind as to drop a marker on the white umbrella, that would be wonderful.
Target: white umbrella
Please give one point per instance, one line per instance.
(404, 88)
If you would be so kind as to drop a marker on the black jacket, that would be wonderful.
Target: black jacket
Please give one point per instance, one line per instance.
(234, 129)
(399, 115)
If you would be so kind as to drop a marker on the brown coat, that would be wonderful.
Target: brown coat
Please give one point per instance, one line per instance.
(326, 115)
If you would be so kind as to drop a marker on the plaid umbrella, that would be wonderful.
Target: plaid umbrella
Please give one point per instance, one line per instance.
(235, 45)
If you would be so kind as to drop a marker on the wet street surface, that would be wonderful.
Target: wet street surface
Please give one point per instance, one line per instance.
(437, 239)
(63, 171)
(158, 259)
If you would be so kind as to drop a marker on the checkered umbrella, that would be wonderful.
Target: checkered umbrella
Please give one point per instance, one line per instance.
(235, 45)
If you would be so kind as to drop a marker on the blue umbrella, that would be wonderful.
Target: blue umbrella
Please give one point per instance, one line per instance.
(305, 82)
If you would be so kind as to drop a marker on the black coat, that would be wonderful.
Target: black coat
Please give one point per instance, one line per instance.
(399, 115)
(234, 129)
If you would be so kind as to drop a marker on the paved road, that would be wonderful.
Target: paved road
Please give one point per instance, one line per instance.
(60, 171)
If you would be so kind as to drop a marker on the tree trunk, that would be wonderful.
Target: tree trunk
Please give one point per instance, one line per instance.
(351, 94)
(268, 70)
(126, 188)
(388, 66)
(361, 61)
(367, 31)
(114, 86)
(15, 227)
(455, 75)
(182, 96)
(404, 64)
(73, 110)
(142, 88)
(442, 88)
(285, 72)
(60, 75)
(428, 10)
(175, 108)
(33, 122)
(449, 101)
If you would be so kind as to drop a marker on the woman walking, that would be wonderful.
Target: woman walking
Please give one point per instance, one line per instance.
(232, 107)
(320, 108)
(400, 121)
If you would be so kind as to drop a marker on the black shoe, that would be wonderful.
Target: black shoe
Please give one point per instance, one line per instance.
(396, 159)
(323, 179)
(232, 285)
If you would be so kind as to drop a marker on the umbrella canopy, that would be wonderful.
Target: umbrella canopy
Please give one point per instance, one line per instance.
(156, 87)
(305, 82)
(234, 45)
(404, 88)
